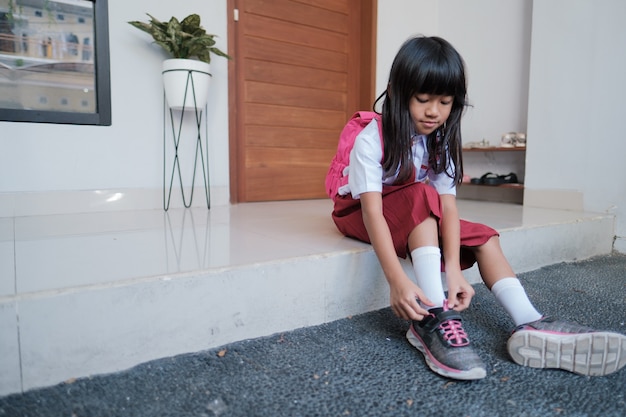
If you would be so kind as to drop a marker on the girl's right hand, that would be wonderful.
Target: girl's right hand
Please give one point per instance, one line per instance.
(404, 298)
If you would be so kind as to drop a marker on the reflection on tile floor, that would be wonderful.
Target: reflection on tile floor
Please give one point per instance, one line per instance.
(43, 253)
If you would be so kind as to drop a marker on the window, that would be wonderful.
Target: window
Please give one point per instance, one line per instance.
(36, 59)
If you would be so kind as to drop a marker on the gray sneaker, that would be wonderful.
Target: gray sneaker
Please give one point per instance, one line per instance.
(446, 348)
(551, 343)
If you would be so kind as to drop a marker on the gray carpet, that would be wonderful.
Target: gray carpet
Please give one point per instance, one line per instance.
(363, 366)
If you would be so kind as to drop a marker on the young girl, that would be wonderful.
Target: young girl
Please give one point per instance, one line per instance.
(400, 196)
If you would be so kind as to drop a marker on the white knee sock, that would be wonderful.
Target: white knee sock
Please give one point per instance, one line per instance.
(512, 297)
(427, 267)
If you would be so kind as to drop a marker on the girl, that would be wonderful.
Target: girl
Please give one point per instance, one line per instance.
(399, 194)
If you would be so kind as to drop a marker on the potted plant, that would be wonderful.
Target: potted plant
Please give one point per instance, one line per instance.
(184, 78)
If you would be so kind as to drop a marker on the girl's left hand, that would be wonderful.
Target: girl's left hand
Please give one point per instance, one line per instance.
(460, 292)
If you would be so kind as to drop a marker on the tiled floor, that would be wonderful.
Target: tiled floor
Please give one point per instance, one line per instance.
(91, 293)
(60, 252)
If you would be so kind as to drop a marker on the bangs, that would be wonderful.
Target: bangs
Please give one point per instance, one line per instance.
(439, 76)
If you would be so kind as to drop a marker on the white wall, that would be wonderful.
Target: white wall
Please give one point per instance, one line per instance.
(494, 39)
(397, 21)
(127, 156)
(576, 107)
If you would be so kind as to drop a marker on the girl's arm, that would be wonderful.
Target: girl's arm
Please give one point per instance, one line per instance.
(403, 291)
(460, 293)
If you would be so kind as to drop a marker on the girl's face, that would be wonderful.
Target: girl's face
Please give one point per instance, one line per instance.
(429, 112)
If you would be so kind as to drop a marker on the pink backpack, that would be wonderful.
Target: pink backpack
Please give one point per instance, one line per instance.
(335, 177)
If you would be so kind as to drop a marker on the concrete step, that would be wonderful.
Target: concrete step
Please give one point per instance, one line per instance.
(93, 293)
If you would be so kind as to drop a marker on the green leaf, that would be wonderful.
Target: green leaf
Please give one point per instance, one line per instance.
(181, 39)
(191, 23)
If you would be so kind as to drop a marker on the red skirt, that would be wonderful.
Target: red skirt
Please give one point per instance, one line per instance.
(405, 207)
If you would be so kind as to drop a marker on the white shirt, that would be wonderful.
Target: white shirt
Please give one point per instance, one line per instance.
(366, 171)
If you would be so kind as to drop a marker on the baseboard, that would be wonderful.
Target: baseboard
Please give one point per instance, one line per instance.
(90, 201)
(554, 199)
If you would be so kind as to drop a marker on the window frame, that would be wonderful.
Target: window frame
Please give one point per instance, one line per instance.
(102, 114)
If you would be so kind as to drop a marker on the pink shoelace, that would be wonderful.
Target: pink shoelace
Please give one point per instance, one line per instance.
(453, 333)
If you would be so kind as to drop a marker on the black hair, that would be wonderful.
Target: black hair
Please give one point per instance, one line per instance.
(423, 65)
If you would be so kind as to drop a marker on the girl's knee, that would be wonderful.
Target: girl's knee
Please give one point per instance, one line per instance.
(493, 241)
(492, 244)
(424, 234)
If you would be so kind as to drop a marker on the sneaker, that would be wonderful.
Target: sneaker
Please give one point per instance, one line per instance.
(551, 343)
(446, 348)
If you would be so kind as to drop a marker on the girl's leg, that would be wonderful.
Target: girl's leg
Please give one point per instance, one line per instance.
(492, 263)
(501, 280)
(426, 258)
(411, 212)
(544, 342)
(425, 234)
(440, 336)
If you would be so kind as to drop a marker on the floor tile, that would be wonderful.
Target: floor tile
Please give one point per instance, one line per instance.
(7, 257)
(10, 376)
(77, 250)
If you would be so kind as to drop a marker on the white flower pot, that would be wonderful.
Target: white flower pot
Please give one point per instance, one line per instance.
(191, 74)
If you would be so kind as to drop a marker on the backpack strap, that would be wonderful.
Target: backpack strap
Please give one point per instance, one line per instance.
(359, 120)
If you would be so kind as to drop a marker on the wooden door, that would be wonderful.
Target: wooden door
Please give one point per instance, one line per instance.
(300, 69)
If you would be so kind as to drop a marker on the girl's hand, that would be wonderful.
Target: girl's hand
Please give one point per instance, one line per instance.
(403, 300)
(460, 292)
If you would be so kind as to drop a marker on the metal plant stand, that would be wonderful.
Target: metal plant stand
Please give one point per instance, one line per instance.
(201, 151)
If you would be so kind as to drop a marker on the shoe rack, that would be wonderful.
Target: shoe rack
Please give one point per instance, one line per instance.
(500, 160)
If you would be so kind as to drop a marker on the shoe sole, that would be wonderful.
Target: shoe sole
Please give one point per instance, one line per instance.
(441, 369)
(591, 354)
